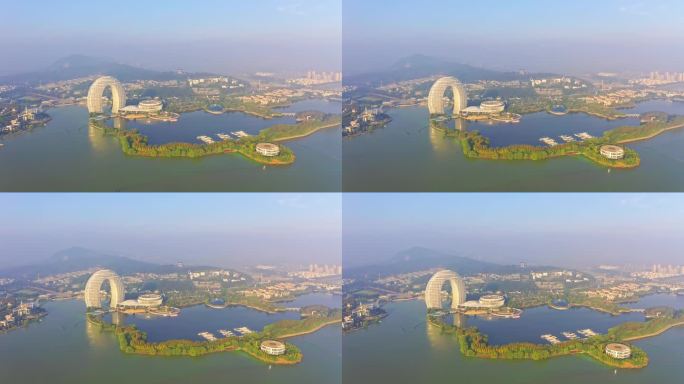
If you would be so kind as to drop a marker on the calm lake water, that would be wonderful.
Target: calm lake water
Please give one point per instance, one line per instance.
(538, 321)
(67, 155)
(200, 318)
(407, 155)
(193, 124)
(659, 300)
(404, 349)
(64, 348)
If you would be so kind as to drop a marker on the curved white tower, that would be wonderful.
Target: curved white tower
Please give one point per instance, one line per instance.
(436, 96)
(94, 285)
(433, 290)
(97, 89)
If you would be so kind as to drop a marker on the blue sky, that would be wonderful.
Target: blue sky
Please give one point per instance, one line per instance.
(560, 229)
(213, 35)
(218, 229)
(578, 35)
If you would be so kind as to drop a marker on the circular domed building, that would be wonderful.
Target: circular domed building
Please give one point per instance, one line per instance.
(612, 152)
(273, 347)
(618, 351)
(267, 149)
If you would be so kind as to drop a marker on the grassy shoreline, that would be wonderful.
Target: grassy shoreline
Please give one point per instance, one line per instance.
(135, 144)
(309, 133)
(474, 344)
(133, 341)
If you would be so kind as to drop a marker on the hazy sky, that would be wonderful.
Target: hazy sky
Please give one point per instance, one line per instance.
(539, 35)
(228, 229)
(225, 36)
(557, 229)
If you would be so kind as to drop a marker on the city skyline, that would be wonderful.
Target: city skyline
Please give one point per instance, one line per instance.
(575, 37)
(210, 36)
(199, 229)
(541, 229)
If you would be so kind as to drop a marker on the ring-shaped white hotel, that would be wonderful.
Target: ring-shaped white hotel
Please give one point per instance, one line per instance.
(436, 96)
(433, 290)
(96, 90)
(94, 286)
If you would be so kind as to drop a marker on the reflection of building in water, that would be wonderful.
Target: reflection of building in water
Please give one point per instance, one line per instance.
(118, 318)
(459, 125)
(96, 137)
(96, 337)
(119, 123)
(459, 320)
(437, 338)
(438, 128)
(437, 140)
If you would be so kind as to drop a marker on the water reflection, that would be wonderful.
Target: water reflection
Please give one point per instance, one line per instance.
(435, 334)
(439, 127)
(96, 336)
(119, 123)
(96, 138)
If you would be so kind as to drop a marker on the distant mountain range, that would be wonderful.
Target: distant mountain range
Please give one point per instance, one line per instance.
(418, 66)
(75, 66)
(420, 258)
(77, 258)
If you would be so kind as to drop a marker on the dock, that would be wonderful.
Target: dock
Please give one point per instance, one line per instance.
(567, 138)
(570, 335)
(584, 136)
(207, 335)
(243, 330)
(226, 333)
(587, 332)
(223, 136)
(550, 338)
(549, 141)
(241, 134)
(206, 139)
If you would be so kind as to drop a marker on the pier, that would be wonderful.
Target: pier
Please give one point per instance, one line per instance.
(243, 330)
(240, 134)
(226, 333)
(549, 141)
(587, 333)
(208, 336)
(206, 139)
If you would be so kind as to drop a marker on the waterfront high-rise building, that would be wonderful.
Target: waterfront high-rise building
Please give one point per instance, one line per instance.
(94, 286)
(436, 96)
(433, 290)
(96, 90)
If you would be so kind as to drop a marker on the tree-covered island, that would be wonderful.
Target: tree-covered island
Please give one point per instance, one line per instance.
(133, 143)
(473, 343)
(134, 341)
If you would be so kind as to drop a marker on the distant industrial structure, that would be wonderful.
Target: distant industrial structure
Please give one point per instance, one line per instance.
(433, 290)
(437, 92)
(96, 91)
